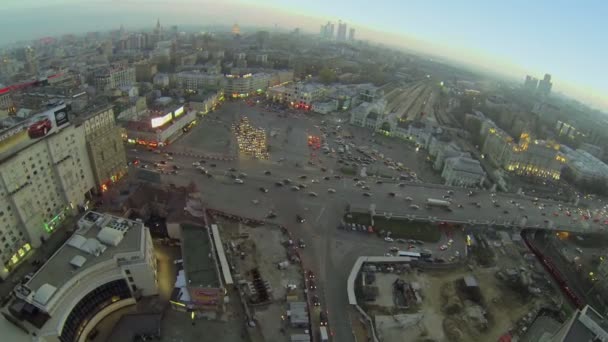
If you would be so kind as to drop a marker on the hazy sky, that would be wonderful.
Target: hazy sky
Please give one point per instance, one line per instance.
(564, 38)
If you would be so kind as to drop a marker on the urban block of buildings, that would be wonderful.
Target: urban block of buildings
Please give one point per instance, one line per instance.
(107, 264)
(529, 157)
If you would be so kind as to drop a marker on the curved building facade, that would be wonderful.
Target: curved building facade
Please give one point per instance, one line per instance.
(106, 264)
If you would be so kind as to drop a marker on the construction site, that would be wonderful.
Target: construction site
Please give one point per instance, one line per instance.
(457, 302)
(266, 266)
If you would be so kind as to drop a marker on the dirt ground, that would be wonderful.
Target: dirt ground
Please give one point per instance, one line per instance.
(503, 307)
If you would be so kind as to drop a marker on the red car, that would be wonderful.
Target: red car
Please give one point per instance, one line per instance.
(39, 128)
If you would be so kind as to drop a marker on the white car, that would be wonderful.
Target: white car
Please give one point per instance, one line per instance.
(314, 181)
(443, 247)
(196, 164)
(331, 191)
(388, 239)
(409, 199)
(239, 181)
(312, 194)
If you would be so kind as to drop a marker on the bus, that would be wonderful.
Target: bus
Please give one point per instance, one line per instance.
(410, 254)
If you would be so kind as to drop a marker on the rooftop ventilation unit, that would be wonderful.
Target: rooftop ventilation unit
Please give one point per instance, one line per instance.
(78, 261)
(44, 293)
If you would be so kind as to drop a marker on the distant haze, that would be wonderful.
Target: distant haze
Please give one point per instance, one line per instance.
(565, 39)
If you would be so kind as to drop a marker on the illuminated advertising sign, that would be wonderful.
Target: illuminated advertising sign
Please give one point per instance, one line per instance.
(161, 120)
(61, 116)
(205, 296)
(42, 124)
(179, 111)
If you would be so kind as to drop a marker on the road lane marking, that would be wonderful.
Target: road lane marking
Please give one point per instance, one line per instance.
(320, 214)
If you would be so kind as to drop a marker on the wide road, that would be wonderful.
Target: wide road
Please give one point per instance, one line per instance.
(507, 214)
(331, 253)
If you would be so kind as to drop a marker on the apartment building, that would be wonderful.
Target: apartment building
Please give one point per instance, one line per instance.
(195, 80)
(104, 146)
(45, 175)
(114, 77)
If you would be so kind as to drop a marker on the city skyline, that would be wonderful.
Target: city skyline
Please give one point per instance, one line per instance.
(512, 40)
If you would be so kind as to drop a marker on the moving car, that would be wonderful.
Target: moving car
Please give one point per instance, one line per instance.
(323, 318)
(315, 300)
(239, 181)
(331, 191)
(312, 194)
(367, 194)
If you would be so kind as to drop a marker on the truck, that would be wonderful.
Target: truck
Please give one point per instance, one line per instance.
(438, 202)
(323, 333)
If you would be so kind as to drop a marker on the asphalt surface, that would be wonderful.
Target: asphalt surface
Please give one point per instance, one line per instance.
(331, 252)
(347, 192)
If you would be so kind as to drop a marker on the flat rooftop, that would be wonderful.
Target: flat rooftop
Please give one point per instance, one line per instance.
(199, 265)
(59, 268)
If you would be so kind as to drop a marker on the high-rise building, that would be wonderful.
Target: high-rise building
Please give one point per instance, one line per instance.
(544, 85)
(236, 30)
(43, 179)
(351, 34)
(28, 56)
(341, 36)
(531, 83)
(327, 30)
(104, 145)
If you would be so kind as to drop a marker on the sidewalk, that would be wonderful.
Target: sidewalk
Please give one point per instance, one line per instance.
(41, 253)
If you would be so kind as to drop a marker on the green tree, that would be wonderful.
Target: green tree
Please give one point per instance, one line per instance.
(327, 75)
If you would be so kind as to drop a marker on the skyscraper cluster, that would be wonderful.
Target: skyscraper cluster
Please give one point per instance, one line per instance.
(542, 87)
(327, 32)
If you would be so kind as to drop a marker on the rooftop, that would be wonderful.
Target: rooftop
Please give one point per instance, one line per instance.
(199, 265)
(99, 238)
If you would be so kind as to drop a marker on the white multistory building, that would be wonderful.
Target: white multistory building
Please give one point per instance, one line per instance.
(298, 94)
(463, 172)
(528, 157)
(114, 77)
(195, 80)
(586, 167)
(106, 265)
(44, 178)
(237, 85)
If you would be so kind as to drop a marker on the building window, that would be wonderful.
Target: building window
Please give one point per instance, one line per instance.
(128, 272)
(131, 279)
